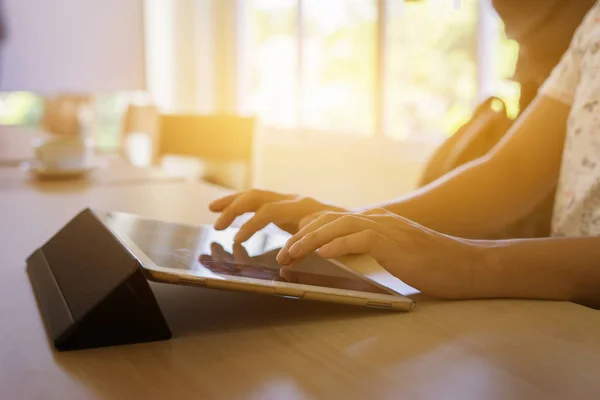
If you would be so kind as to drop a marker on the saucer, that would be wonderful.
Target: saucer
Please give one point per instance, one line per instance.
(41, 171)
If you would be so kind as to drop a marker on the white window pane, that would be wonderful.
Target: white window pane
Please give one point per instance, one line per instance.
(21, 108)
(339, 65)
(273, 61)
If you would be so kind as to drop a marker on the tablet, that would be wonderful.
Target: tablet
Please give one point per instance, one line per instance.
(202, 256)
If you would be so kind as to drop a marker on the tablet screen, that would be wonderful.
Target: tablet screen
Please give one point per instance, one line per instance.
(203, 249)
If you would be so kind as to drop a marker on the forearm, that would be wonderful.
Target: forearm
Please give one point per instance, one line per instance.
(553, 268)
(469, 203)
(488, 194)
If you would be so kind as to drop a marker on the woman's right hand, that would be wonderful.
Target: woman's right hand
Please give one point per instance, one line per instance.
(284, 210)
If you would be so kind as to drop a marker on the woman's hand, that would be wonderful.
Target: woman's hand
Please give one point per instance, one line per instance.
(429, 261)
(285, 211)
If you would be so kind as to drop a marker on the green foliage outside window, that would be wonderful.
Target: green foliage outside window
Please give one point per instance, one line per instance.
(430, 56)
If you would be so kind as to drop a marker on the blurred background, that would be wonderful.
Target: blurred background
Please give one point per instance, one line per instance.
(350, 96)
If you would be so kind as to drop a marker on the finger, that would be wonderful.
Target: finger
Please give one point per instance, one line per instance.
(241, 205)
(377, 211)
(277, 212)
(344, 226)
(364, 242)
(284, 257)
(220, 204)
(283, 213)
(253, 225)
(310, 218)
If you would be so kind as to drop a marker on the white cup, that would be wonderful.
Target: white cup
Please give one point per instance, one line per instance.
(64, 152)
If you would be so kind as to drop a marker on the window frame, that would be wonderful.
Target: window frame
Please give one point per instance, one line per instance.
(487, 37)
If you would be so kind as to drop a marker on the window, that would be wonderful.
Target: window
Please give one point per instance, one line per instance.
(26, 108)
(432, 66)
(20, 108)
(273, 90)
(399, 69)
(338, 86)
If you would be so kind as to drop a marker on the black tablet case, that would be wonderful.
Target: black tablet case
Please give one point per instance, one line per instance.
(91, 290)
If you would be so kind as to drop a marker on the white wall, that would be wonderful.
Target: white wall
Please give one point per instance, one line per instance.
(342, 170)
(73, 45)
(180, 54)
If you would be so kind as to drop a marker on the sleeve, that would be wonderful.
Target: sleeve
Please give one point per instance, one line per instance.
(562, 83)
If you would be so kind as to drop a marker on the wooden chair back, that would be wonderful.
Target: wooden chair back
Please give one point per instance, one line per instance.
(141, 126)
(211, 137)
(215, 139)
(141, 118)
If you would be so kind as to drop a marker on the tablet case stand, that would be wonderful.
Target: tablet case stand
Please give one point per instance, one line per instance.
(91, 290)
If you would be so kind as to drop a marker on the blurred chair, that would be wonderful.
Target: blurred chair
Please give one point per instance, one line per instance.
(215, 148)
(476, 138)
(223, 142)
(141, 124)
(64, 114)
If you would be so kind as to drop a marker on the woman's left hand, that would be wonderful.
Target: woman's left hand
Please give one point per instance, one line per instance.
(434, 263)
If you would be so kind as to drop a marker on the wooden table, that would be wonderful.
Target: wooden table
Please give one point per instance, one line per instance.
(229, 345)
(111, 169)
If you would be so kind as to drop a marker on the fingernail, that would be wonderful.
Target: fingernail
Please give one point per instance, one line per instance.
(322, 251)
(218, 224)
(295, 249)
(282, 257)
